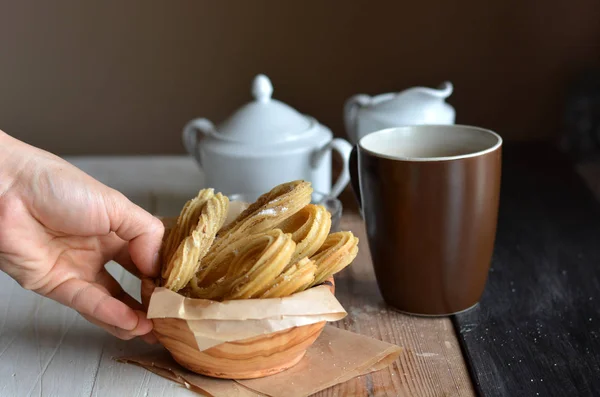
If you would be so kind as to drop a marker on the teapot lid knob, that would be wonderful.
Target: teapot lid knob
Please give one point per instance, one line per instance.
(262, 89)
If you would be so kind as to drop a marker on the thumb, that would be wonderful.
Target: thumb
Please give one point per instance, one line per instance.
(143, 231)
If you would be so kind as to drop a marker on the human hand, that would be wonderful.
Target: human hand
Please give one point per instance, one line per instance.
(59, 227)
(147, 288)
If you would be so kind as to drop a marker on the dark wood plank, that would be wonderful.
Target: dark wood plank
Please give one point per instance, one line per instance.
(537, 328)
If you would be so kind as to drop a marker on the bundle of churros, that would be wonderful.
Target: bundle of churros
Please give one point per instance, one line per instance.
(279, 245)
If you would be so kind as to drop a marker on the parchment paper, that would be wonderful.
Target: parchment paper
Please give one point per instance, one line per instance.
(216, 322)
(336, 356)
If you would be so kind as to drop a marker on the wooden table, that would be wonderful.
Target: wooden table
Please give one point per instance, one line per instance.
(49, 350)
(536, 331)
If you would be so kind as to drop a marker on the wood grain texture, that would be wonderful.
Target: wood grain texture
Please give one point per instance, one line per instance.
(537, 329)
(80, 363)
(47, 349)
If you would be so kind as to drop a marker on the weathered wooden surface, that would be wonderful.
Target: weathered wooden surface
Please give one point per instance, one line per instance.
(537, 329)
(48, 350)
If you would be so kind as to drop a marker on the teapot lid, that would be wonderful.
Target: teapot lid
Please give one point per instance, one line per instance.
(264, 120)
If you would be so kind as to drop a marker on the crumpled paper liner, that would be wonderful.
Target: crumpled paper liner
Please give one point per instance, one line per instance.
(336, 357)
(213, 323)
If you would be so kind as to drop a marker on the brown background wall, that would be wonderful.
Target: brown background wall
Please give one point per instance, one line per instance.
(113, 77)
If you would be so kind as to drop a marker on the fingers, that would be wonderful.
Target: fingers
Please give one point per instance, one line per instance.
(95, 302)
(114, 288)
(121, 333)
(143, 231)
(147, 288)
(116, 249)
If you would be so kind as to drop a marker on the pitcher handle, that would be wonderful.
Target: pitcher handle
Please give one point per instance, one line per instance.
(351, 107)
(343, 147)
(190, 135)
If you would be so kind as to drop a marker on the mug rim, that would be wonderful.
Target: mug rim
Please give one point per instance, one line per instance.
(390, 130)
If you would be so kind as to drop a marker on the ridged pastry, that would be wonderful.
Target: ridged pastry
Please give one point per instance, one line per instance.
(272, 208)
(337, 252)
(255, 261)
(183, 263)
(276, 247)
(256, 280)
(295, 279)
(230, 262)
(264, 214)
(309, 228)
(186, 222)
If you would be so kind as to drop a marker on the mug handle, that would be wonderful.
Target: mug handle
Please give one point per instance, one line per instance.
(353, 166)
(343, 148)
(190, 135)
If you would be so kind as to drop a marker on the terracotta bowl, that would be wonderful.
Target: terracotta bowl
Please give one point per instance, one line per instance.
(245, 359)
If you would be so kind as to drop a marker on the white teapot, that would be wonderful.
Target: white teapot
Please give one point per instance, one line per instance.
(263, 144)
(417, 105)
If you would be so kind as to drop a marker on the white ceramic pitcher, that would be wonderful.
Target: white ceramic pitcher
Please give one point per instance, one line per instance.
(417, 105)
(263, 144)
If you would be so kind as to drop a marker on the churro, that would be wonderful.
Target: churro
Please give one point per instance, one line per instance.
(309, 228)
(183, 263)
(337, 252)
(295, 279)
(186, 222)
(278, 246)
(267, 212)
(255, 261)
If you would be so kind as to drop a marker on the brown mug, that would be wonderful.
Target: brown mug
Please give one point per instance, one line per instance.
(429, 196)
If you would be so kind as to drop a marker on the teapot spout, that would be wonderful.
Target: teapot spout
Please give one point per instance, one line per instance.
(444, 90)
